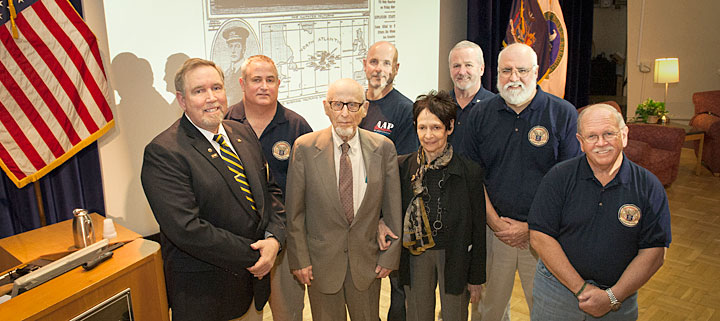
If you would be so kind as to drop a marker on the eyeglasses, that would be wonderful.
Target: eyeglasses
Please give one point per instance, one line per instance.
(607, 136)
(521, 72)
(339, 105)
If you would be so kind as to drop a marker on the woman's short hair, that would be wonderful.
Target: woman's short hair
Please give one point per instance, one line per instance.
(438, 103)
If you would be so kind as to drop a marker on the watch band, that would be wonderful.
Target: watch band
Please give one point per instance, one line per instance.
(614, 303)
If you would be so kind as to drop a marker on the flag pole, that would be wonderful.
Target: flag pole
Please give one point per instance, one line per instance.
(13, 15)
(38, 198)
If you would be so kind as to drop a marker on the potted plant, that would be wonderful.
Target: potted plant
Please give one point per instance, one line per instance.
(650, 111)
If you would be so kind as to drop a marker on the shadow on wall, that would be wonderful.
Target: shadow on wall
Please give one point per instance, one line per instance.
(141, 113)
(173, 63)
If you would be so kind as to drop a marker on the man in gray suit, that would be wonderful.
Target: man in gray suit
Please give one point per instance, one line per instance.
(339, 181)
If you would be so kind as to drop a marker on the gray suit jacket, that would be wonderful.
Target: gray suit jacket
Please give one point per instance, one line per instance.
(318, 232)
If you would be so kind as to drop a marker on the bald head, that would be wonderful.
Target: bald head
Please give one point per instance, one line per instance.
(385, 47)
(519, 49)
(599, 110)
(345, 86)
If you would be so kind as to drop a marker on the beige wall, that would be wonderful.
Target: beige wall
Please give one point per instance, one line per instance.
(687, 30)
(136, 123)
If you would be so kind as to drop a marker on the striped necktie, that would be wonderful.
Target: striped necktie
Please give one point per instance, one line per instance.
(235, 165)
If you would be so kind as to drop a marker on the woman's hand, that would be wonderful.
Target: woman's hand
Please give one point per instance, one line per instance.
(384, 233)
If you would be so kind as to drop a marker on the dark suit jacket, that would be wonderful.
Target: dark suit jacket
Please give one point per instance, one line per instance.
(465, 198)
(206, 223)
(318, 232)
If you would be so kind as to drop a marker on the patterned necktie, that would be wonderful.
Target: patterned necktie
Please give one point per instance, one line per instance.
(235, 165)
(346, 183)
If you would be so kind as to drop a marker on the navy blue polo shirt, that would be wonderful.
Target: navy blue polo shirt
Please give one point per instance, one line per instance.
(278, 137)
(518, 149)
(601, 228)
(461, 117)
(392, 116)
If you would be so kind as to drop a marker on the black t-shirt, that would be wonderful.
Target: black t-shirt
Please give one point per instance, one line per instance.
(392, 116)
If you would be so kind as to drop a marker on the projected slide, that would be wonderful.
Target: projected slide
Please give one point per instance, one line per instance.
(313, 43)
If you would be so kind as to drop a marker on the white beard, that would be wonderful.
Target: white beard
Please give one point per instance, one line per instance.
(515, 97)
(344, 132)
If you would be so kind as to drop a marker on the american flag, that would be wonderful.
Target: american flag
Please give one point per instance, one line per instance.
(53, 88)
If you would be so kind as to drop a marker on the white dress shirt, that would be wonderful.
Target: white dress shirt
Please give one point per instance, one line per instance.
(209, 136)
(358, 166)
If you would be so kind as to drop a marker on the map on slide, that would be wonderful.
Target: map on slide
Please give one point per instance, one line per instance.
(309, 54)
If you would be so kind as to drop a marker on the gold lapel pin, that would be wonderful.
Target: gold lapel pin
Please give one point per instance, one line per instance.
(239, 140)
(210, 150)
(214, 155)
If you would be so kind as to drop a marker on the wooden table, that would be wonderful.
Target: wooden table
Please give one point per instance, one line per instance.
(692, 134)
(25, 247)
(136, 266)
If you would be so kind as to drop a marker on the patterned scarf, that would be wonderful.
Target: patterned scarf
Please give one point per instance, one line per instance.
(417, 234)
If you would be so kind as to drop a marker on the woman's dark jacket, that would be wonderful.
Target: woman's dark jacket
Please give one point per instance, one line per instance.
(464, 200)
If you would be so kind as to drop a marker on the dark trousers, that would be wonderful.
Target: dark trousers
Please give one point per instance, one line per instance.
(397, 299)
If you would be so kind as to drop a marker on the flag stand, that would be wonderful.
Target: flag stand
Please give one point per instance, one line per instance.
(38, 198)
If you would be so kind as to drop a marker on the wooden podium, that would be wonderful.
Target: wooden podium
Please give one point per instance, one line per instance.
(136, 266)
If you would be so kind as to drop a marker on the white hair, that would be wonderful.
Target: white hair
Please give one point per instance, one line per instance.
(468, 44)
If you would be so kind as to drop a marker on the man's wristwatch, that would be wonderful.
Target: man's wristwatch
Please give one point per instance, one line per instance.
(614, 303)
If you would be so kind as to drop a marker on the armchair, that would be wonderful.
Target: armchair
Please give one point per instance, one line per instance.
(654, 147)
(657, 148)
(707, 118)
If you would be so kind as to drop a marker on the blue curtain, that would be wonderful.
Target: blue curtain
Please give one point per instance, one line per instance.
(579, 23)
(76, 183)
(486, 25)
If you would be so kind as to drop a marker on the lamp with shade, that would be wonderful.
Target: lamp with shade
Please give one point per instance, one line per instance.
(667, 71)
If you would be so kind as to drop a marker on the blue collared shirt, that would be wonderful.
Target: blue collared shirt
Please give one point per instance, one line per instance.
(461, 118)
(601, 228)
(277, 139)
(518, 149)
